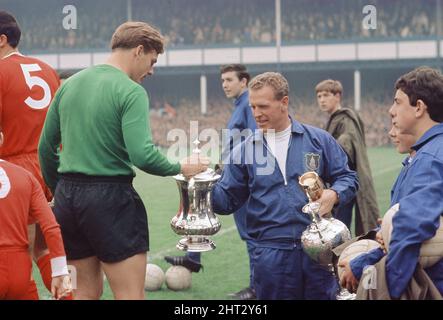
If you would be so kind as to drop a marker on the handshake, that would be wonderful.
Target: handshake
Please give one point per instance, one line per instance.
(194, 164)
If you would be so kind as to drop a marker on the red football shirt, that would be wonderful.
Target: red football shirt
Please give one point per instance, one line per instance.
(21, 198)
(27, 87)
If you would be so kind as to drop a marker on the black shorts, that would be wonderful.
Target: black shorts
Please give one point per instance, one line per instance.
(100, 216)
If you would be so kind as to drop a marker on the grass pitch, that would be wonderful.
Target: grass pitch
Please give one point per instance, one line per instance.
(226, 269)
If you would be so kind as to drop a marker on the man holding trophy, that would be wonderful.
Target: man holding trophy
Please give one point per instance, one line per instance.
(267, 177)
(234, 78)
(417, 115)
(100, 116)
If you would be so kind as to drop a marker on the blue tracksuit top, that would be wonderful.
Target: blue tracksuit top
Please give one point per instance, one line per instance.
(419, 190)
(274, 210)
(242, 116)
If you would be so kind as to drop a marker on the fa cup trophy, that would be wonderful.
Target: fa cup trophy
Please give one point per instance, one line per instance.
(324, 233)
(195, 220)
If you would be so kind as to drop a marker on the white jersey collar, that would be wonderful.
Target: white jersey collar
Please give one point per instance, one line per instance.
(11, 54)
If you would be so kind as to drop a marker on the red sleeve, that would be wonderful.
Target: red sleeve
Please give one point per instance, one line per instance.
(40, 210)
(1, 100)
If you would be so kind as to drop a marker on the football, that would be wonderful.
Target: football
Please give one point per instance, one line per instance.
(154, 277)
(178, 278)
(354, 250)
(431, 250)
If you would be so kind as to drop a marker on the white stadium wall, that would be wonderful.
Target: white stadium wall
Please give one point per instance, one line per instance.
(347, 52)
(337, 52)
(298, 54)
(417, 49)
(221, 56)
(377, 51)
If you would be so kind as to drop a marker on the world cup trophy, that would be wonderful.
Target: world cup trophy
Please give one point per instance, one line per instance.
(324, 233)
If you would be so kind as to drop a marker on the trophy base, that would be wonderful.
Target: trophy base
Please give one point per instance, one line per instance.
(196, 244)
(346, 295)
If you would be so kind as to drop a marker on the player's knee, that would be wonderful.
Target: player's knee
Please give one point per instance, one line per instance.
(128, 295)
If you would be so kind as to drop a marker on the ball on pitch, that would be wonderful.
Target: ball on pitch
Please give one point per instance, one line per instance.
(154, 277)
(178, 278)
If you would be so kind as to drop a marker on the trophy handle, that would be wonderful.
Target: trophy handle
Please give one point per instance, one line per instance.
(312, 208)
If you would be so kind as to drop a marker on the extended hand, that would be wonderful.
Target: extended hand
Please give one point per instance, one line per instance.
(193, 165)
(348, 280)
(61, 286)
(379, 238)
(219, 168)
(327, 201)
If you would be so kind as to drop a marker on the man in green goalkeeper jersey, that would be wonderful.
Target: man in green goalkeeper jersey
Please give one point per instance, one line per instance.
(96, 129)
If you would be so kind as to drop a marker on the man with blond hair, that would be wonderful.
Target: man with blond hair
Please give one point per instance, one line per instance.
(347, 128)
(234, 79)
(100, 117)
(266, 179)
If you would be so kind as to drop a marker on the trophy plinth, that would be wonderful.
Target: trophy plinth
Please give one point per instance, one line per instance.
(195, 220)
(196, 244)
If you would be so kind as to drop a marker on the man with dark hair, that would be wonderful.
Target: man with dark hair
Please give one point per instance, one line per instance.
(266, 181)
(346, 126)
(65, 75)
(417, 113)
(235, 79)
(101, 117)
(27, 86)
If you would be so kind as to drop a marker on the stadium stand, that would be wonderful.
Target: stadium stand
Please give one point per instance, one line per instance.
(228, 22)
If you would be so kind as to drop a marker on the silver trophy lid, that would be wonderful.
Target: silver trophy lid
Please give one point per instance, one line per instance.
(206, 176)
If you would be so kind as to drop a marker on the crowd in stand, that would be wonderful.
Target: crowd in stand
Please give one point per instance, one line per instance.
(374, 115)
(227, 22)
(322, 20)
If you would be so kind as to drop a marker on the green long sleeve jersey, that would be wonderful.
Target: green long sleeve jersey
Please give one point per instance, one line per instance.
(98, 124)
